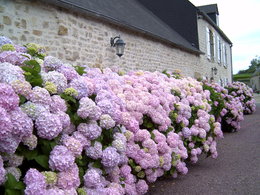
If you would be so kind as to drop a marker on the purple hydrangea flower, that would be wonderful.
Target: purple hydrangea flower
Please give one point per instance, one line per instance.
(64, 119)
(22, 88)
(10, 144)
(94, 152)
(22, 124)
(10, 73)
(8, 99)
(91, 130)
(57, 104)
(74, 145)
(141, 187)
(88, 109)
(106, 121)
(5, 124)
(16, 172)
(14, 160)
(2, 171)
(48, 125)
(57, 79)
(69, 178)
(34, 110)
(92, 178)
(83, 85)
(14, 57)
(68, 71)
(5, 40)
(33, 176)
(40, 95)
(31, 141)
(79, 136)
(35, 183)
(61, 158)
(186, 132)
(51, 63)
(110, 157)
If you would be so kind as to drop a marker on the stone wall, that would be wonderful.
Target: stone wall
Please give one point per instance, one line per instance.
(82, 39)
(223, 72)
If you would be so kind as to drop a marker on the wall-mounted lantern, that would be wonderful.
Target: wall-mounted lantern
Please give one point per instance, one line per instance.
(119, 44)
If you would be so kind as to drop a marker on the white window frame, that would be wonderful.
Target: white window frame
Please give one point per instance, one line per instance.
(224, 52)
(219, 50)
(208, 43)
(211, 42)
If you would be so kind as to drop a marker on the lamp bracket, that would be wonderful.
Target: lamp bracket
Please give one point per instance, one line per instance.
(112, 40)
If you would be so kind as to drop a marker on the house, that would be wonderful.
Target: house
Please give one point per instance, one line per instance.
(200, 26)
(255, 81)
(79, 32)
(215, 44)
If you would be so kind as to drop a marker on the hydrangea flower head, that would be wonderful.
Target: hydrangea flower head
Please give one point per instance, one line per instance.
(5, 40)
(51, 63)
(61, 159)
(48, 125)
(58, 79)
(8, 99)
(8, 47)
(2, 171)
(10, 73)
(90, 130)
(110, 157)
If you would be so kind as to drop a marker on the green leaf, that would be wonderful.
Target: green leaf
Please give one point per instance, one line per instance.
(80, 70)
(36, 81)
(12, 192)
(97, 164)
(22, 99)
(12, 184)
(152, 135)
(30, 154)
(42, 160)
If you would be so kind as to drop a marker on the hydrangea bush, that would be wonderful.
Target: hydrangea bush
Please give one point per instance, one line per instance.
(244, 95)
(227, 109)
(76, 130)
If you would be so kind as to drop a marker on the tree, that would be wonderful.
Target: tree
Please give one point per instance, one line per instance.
(255, 63)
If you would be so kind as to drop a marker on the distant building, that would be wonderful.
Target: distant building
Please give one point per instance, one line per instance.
(159, 35)
(255, 81)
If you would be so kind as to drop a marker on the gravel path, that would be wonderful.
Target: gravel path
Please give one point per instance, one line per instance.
(235, 171)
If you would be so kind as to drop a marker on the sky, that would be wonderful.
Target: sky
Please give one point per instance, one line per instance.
(240, 21)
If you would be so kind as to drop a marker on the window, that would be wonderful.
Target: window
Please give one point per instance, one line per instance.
(224, 55)
(219, 50)
(226, 81)
(210, 44)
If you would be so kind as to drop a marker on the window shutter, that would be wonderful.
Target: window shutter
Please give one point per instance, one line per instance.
(214, 47)
(225, 47)
(218, 49)
(208, 42)
(223, 54)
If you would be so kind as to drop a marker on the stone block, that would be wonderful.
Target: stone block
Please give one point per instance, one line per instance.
(23, 38)
(62, 30)
(37, 32)
(45, 24)
(7, 20)
(2, 9)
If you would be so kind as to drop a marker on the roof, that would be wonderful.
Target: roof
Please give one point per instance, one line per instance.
(212, 8)
(180, 15)
(212, 23)
(130, 14)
